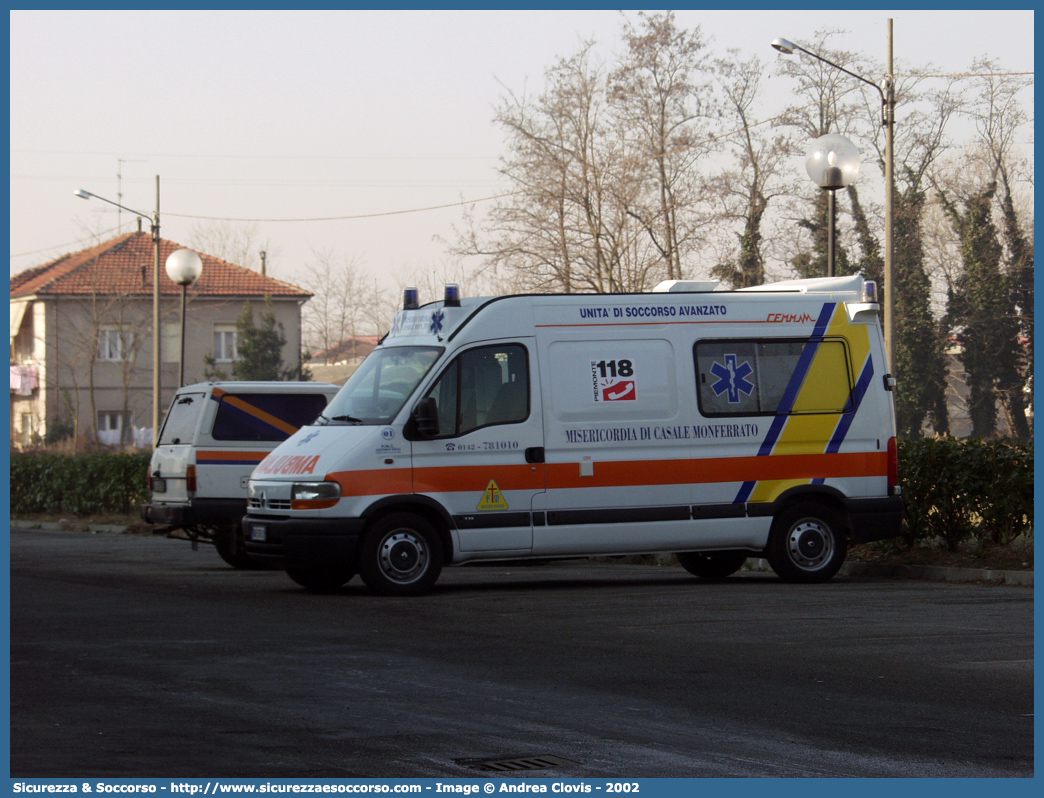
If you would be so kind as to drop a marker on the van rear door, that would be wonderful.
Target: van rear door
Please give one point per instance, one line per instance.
(173, 454)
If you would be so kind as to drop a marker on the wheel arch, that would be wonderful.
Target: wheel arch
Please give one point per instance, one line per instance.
(423, 506)
(822, 494)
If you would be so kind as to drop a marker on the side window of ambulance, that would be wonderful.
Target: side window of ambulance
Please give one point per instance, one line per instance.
(264, 417)
(746, 378)
(483, 386)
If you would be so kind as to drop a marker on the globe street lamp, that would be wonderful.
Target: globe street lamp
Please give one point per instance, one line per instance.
(888, 123)
(155, 298)
(183, 267)
(832, 162)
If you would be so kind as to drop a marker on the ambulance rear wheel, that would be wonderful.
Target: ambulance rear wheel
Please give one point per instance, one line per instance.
(401, 555)
(712, 564)
(321, 580)
(807, 543)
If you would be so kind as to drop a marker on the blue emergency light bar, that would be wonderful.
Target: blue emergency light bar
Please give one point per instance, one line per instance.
(452, 297)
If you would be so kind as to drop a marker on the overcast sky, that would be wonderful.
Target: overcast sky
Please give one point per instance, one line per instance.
(297, 115)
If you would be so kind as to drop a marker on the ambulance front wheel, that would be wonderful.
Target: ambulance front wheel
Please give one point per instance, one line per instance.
(400, 555)
(807, 543)
(228, 540)
(321, 580)
(712, 564)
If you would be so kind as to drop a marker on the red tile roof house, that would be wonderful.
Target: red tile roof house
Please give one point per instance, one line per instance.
(81, 336)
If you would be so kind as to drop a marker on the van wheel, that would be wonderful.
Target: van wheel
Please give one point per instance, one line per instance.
(807, 543)
(228, 541)
(401, 555)
(321, 580)
(712, 564)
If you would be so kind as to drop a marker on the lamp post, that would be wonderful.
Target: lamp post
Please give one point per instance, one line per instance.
(832, 162)
(888, 123)
(183, 267)
(155, 298)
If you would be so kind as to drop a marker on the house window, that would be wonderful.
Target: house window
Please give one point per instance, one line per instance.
(225, 343)
(171, 341)
(110, 427)
(114, 344)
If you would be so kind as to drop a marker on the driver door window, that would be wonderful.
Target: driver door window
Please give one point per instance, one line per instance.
(484, 386)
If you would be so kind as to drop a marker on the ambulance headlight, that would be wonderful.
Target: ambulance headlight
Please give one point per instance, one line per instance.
(314, 495)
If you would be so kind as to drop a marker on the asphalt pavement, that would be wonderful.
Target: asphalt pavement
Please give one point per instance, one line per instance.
(137, 656)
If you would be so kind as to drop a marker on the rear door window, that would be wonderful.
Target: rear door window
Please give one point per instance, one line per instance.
(755, 378)
(264, 416)
(180, 424)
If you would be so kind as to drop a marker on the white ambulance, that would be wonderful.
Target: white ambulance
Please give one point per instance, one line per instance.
(716, 425)
(212, 437)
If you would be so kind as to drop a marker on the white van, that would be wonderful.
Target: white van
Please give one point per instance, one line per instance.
(213, 436)
(716, 425)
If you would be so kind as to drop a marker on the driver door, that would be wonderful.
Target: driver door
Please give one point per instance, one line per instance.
(485, 463)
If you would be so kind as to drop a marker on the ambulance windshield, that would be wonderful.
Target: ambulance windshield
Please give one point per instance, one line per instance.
(377, 390)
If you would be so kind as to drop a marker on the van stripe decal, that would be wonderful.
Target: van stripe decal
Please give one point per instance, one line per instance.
(610, 474)
(858, 392)
(786, 404)
(229, 458)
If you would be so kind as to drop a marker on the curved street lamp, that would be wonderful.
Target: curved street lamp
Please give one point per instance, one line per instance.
(832, 162)
(183, 267)
(155, 224)
(888, 122)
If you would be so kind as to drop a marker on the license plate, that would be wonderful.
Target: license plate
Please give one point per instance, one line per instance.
(159, 485)
(258, 534)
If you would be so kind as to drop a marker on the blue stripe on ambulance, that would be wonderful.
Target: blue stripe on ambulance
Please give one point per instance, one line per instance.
(786, 403)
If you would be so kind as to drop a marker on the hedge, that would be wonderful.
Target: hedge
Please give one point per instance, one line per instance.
(79, 484)
(960, 489)
(954, 489)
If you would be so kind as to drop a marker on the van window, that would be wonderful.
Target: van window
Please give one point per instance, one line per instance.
(182, 417)
(264, 416)
(750, 378)
(379, 388)
(481, 387)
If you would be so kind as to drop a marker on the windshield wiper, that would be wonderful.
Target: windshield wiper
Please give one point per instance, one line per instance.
(349, 419)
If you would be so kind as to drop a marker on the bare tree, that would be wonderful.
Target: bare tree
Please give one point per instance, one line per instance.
(236, 243)
(335, 311)
(760, 173)
(566, 226)
(661, 96)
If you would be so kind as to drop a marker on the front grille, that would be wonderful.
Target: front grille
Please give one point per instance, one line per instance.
(271, 504)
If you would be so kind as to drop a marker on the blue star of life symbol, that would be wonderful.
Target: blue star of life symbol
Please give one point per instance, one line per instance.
(732, 378)
(307, 438)
(436, 322)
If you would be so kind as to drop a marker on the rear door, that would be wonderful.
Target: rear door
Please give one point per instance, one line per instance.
(173, 453)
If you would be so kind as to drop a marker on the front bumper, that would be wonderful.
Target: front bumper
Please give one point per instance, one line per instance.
(303, 542)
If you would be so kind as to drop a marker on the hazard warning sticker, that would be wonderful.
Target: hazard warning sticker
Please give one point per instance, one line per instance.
(493, 499)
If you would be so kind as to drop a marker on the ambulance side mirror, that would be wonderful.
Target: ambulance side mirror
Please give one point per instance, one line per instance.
(425, 418)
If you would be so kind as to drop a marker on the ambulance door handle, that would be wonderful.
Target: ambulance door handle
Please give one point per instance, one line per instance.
(535, 454)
